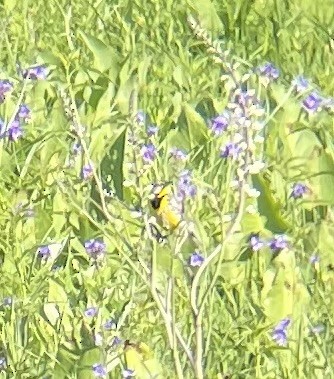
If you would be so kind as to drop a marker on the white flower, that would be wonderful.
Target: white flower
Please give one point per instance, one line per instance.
(256, 167)
(251, 209)
(98, 339)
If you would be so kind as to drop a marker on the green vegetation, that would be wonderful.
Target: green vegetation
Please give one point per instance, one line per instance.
(100, 100)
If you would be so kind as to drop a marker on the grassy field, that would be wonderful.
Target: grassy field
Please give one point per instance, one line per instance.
(230, 101)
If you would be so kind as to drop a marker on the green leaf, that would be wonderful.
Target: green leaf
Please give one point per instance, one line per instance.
(252, 223)
(57, 293)
(51, 312)
(208, 16)
(59, 214)
(105, 57)
(321, 169)
(284, 293)
(124, 95)
(103, 108)
(112, 164)
(269, 207)
(9, 5)
(49, 58)
(302, 143)
(143, 68)
(233, 273)
(178, 76)
(196, 131)
(65, 363)
(139, 358)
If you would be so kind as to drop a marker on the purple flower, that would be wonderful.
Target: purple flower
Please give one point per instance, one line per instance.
(279, 333)
(219, 123)
(115, 341)
(283, 324)
(312, 102)
(95, 248)
(44, 252)
(5, 87)
(230, 150)
(24, 112)
(314, 259)
(152, 130)
(280, 337)
(87, 171)
(99, 370)
(300, 83)
(36, 73)
(76, 148)
(268, 70)
(185, 186)
(110, 324)
(148, 152)
(15, 131)
(128, 373)
(196, 259)
(91, 311)
(278, 243)
(245, 99)
(140, 117)
(298, 190)
(255, 243)
(178, 154)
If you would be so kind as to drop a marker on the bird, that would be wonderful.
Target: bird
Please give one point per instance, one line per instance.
(168, 210)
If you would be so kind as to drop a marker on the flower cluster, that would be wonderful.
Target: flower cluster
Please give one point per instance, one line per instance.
(14, 128)
(36, 73)
(148, 152)
(240, 127)
(312, 101)
(276, 244)
(185, 186)
(14, 131)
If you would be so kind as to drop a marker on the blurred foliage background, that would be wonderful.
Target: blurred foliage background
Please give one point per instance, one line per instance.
(77, 174)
